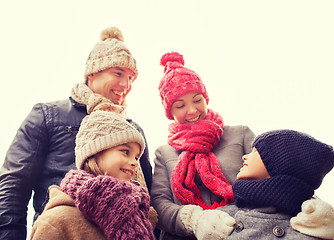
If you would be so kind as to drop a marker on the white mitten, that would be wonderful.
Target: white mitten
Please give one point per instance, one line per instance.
(206, 224)
(316, 219)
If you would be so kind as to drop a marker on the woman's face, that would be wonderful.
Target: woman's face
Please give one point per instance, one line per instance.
(190, 107)
(253, 167)
(120, 161)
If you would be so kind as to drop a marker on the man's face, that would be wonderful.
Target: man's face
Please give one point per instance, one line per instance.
(113, 83)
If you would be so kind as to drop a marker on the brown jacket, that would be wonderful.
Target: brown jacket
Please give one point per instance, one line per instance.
(61, 219)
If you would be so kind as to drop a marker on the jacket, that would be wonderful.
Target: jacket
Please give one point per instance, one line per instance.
(61, 219)
(261, 223)
(40, 155)
(234, 143)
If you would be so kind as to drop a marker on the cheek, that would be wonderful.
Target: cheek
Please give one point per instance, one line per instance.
(178, 115)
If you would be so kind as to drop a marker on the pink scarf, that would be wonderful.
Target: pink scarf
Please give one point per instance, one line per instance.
(196, 140)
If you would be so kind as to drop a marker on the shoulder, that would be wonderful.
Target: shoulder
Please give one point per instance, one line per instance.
(237, 130)
(167, 152)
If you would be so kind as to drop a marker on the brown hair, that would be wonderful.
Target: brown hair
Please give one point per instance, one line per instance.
(91, 166)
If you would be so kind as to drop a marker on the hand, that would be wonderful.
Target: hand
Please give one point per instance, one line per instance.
(316, 219)
(206, 224)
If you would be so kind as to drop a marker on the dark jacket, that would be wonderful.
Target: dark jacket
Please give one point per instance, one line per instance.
(40, 155)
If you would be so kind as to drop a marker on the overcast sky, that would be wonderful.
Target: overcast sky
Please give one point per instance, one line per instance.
(266, 64)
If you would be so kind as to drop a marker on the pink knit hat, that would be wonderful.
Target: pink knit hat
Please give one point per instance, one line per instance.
(178, 81)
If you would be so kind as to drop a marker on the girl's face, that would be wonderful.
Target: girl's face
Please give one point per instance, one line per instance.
(253, 168)
(120, 161)
(190, 107)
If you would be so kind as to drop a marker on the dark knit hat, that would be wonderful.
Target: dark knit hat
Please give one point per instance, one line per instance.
(178, 81)
(296, 154)
(296, 163)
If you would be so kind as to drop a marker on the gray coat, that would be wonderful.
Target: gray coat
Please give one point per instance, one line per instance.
(235, 142)
(261, 223)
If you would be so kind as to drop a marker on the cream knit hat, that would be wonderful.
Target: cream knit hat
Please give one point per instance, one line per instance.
(110, 52)
(102, 130)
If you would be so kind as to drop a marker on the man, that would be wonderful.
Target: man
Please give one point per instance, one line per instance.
(43, 148)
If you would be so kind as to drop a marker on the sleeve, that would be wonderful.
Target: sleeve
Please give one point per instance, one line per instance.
(19, 173)
(44, 230)
(249, 137)
(162, 199)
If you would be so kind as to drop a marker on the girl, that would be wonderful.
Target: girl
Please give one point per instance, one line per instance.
(100, 200)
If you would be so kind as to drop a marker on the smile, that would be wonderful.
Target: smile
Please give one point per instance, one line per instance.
(194, 119)
(118, 93)
(127, 171)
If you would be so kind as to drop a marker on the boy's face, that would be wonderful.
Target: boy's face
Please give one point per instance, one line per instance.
(190, 107)
(120, 161)
(253, 168)
(113, 83)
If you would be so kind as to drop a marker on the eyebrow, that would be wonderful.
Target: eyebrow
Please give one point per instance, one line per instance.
(119, 69)
(183, 100)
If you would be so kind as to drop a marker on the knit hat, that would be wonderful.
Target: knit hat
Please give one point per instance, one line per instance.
(178, 81)
(102, 130)
(296, 154)
(296, 163)
(110, 52)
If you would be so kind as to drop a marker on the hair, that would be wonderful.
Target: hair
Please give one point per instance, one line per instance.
(91, 166)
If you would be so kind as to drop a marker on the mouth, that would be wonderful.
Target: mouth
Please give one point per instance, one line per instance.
(127, 171)
(195, 119)
(118, 93)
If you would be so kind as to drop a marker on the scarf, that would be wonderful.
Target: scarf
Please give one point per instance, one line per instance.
(196, 141)
(81, 93)
(119, 208)
(285, 193)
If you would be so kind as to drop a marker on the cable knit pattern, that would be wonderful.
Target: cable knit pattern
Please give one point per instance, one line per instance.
(196, 140)
(118, 208)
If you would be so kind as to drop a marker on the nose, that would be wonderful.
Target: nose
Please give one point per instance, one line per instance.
(244, 157)
(134, 162)
(191, 110)
(125, 83)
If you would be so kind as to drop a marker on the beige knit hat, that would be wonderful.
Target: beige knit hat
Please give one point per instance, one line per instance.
(110, 52)
(102, 130)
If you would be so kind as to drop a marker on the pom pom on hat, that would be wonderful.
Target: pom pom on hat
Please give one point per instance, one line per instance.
(178, 81)
(110, 52)
(111, 33)
(171, 57)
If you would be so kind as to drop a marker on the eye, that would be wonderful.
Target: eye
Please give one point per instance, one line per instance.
(131, 79)
(197, 100)
(179, 106)
(125, 151)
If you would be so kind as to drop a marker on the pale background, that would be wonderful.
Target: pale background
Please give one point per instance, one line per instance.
(266, 64)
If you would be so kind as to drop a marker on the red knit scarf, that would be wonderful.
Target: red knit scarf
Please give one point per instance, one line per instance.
(196, 140)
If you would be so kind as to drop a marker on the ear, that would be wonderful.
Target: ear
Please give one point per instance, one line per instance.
(90, 79)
